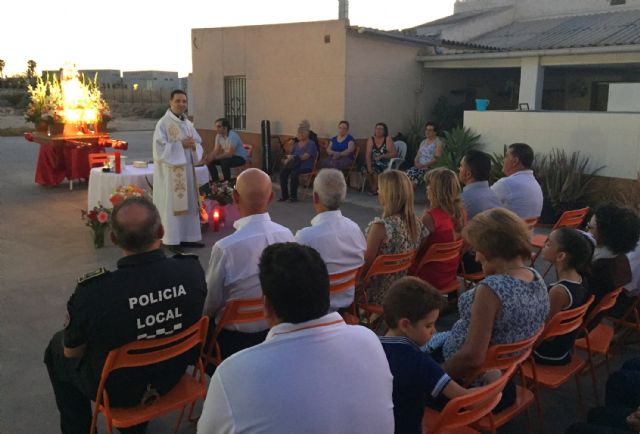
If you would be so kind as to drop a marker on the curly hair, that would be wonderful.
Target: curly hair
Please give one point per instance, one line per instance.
(618, 228)
(445, 189)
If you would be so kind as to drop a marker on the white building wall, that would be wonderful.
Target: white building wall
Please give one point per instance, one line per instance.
(610, 139)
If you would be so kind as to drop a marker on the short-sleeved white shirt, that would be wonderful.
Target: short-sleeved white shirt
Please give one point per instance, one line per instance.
(520, 193)
(341, 245)
(317, 377)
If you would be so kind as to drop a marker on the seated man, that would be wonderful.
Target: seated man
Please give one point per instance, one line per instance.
(233, 266)
(477, 196)
(228, 151)
(519, 190)
(339, 240)
(148, 296)
(297, 380)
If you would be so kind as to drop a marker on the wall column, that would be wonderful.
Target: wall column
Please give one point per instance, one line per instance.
(531, 82)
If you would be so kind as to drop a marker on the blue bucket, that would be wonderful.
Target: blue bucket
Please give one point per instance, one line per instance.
(482, 104)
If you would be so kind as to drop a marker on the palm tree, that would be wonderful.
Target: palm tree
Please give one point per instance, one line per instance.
(2, 65)
(31, 68)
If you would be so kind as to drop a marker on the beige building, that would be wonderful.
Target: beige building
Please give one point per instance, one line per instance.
(321, 71)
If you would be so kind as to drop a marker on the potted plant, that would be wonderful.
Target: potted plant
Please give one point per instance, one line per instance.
(457, 142)
(496, 165)
(566, 181)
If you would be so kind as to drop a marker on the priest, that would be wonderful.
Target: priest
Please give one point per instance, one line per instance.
(176, 146)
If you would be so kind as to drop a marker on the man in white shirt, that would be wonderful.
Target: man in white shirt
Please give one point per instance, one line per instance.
(339, 240)
(233, 266)
(298, 380)
(518, 190)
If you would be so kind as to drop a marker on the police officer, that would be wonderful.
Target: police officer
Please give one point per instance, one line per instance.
(148, 296)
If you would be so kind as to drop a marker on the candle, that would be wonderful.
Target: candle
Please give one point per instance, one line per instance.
(216, 220)
(117, 162)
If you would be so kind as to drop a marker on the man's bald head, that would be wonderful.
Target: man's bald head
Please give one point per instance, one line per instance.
(135, 225)
(253, 192)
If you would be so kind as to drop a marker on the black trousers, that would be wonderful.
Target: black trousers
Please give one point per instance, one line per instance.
(226, 164)
(292, 174)
(73, 391)
(603, 420)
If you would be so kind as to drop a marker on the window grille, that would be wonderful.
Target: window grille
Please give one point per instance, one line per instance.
(235, 101)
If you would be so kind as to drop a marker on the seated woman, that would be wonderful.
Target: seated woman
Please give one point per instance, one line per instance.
(341, 149)
(444, 220)
(428, 152)
(570, 252)
(380, 150)
(228, 151)
(300, 160)
(616, 231)
(398, 231)
(509, 305)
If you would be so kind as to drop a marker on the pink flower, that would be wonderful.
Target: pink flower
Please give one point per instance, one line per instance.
(103, 217)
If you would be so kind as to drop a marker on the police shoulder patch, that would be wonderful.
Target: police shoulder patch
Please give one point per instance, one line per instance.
(92, 275)
(185, 255)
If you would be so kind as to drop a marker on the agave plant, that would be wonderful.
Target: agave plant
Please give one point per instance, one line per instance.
(456, 143)
(565, 179)
(496, 165)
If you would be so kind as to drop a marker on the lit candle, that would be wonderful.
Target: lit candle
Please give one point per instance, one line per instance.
(216, 220)
(117, 162)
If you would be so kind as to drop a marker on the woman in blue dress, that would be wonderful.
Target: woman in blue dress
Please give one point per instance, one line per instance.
(341, 149)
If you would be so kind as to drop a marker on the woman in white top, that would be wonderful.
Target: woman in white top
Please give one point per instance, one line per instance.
(428, 152)
(228, 151)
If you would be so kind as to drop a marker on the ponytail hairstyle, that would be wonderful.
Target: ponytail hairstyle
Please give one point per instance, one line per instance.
(577, 247)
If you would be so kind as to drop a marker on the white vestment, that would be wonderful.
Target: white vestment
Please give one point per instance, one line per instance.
(181, 221)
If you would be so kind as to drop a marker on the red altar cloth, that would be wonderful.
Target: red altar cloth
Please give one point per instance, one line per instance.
(64, 157)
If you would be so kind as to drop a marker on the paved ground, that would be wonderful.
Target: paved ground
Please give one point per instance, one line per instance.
(44, 247)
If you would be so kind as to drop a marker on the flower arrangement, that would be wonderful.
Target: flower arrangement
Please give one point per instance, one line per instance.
(221, 192)
(68, 100)
(98, 219)
(125, 192)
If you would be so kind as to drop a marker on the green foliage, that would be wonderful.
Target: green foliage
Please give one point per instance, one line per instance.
(17, 99)
(496, 165)
(565, 179)
(447, 116)
(414, 136)
(456, 143)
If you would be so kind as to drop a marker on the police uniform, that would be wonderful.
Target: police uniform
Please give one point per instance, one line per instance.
(148, 296)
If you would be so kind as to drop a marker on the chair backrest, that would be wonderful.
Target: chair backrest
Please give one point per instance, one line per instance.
(467, 409)
(401, 149)
(340, 282)
(153, 351)
(605, 303)
(503, 356)
(98, 159)
(389, 264)
(566, 321)
(441, 252)
(571, 219)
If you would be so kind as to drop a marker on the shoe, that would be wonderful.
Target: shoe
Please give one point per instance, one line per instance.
(194, 244)
(282, 199)
(373, 193)
(292, 199)
(173, 248)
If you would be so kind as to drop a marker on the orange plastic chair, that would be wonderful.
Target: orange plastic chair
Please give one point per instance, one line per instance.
(443, 252)
(98, 159)
(631, 318)
(464, 410)
(235, 312)
(551, 376)
(349, 170)
(189, 389)
(310, 176)
(503, 356)
(598, 340)
(568, 219)
(341, 282)
(383, 264)
(469, 279)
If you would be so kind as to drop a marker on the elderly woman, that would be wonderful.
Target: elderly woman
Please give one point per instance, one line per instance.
(398, 231)
(428, 152)
(341, 148)
(300, 160)
(228, 151)
(509, 305)
(380, 150)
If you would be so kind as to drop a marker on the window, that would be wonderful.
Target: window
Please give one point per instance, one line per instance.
(235, 101)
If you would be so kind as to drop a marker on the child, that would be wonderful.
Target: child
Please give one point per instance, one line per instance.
(570, 252)
(411, 307)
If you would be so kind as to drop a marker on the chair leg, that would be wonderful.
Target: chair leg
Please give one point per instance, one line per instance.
(175, 430)
(592, 370)
(580, 403)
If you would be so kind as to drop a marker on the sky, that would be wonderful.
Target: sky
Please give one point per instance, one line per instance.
(140, 34)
